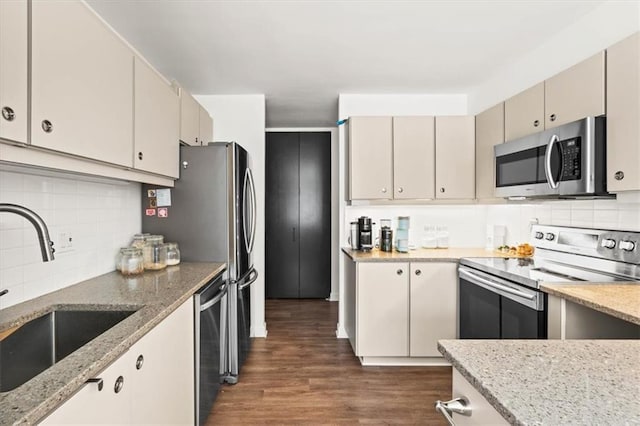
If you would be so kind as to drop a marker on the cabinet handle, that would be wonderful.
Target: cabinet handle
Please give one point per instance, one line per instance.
(97, 381)
(400, 190)
(441, 189)
(384, 190)
(3, 292)
(418, 272)
(8, 114)
(197, 141)
(399, 272)
(140, 155)
(457, 405)
(536, 123)
(619, 175)
(47, 126)
(119, 384)
(139, 362)
(552, 117)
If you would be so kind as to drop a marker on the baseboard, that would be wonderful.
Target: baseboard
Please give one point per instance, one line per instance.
(341, 332)
(403, 361)
(259, 331)
(333, 297)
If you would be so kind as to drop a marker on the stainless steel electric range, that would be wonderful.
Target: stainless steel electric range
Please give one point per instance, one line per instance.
(501, 299)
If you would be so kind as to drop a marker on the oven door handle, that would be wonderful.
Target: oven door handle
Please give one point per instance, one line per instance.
(479, 280)
(547, 163)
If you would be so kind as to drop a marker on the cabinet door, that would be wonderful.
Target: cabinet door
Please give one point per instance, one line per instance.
(413, 157)
(205, 126)
(524, 113)
(455, 157)
(93, 406)
(157, 117)
(382, 309)
(370, 158)
(575, 93)
(13, 70)
(489, 132)
(623, 110)
(162, 365)
(81, 83)
(433, 296)
(483, 413)
(189, 119)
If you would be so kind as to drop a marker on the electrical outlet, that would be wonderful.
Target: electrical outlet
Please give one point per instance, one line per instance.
(64, 243)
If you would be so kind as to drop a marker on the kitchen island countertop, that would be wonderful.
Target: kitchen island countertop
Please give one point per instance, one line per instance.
(620, 300)
(553, 382)
(452, 254)
(154, 295)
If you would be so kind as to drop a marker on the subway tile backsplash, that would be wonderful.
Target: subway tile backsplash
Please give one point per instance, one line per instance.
(99, 215)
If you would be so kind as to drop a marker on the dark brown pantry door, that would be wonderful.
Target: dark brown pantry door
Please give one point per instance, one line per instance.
(298, 215)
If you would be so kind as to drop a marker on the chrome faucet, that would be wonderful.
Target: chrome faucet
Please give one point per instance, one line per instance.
(46, 245)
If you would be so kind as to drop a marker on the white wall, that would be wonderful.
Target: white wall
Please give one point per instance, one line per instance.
(605, 25)
(241, 118)
(101, 216)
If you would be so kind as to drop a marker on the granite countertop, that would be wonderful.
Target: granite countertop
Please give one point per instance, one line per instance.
(553, 382)
(621, 300)
(421, 255)
(153, 294)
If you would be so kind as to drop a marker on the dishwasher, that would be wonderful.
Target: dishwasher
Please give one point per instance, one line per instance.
(210, 345)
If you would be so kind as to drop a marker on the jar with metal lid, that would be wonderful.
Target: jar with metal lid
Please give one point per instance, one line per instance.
(129, 261)
(154, 253)
(138, 240)
(173, 254)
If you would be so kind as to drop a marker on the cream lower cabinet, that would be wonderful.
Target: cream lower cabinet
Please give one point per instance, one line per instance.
(433, 298)
(482, 412)
(13, 70)
(489, 132)
(623, 110)
(81, 84)
(154, 380)
(157, 126)
(382, 309)
(455, 157)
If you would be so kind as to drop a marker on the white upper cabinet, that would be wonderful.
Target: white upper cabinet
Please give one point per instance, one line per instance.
(524, 113)
(370, 158)
(206, 126)
(413, 157)
(157, 112)
(489, 132)
(13, 70)
(82, 84)
(189, 119)
(623, 115)
(576, 93)
(455, 157)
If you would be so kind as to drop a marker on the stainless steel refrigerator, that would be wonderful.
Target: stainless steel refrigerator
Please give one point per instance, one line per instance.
(211, 214)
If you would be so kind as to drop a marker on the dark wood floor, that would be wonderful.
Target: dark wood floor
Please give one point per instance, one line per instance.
(301, 374)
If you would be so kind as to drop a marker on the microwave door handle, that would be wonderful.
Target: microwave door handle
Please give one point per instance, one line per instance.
(547, 162)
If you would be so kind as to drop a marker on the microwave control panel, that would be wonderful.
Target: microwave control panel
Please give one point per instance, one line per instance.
(571, 159)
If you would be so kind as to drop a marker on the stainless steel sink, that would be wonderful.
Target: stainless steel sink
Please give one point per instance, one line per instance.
(40, 343)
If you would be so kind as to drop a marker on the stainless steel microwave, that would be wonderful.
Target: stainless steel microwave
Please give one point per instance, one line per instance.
(565, 162)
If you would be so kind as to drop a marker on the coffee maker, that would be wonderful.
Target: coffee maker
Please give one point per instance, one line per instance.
(365, 239)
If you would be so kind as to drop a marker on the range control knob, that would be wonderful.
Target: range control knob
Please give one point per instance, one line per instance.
(608, 243)
(627, 245)
(549, 236)
(538, 235)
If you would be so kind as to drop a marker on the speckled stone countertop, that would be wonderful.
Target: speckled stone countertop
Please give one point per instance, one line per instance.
(153, 294)
(421, 255)
(618, 300)
(553, 382)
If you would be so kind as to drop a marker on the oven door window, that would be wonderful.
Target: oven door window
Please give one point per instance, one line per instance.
(521, 322)
(521, 168)
(479, 312)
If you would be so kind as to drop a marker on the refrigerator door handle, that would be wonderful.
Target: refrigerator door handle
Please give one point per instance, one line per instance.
(253, 210)
(244, 209)
(253, 276)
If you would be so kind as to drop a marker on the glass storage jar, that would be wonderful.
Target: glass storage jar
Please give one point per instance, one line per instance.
(138, 240)
(155, 253)
(173, 254)
(129, 261)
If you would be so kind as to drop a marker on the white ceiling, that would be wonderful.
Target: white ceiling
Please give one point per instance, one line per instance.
(302, 53)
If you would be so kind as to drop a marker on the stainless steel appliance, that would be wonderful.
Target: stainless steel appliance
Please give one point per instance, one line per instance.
(567, 161)
(211, 214)
(210, 331)
(500, 298)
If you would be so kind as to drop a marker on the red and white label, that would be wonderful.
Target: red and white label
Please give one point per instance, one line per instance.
(163, 212)
(150, 212)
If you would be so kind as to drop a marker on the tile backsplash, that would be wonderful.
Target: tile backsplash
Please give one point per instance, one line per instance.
(100, 216)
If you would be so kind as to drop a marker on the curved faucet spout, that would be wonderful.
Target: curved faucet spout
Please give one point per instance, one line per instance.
(46, 245)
